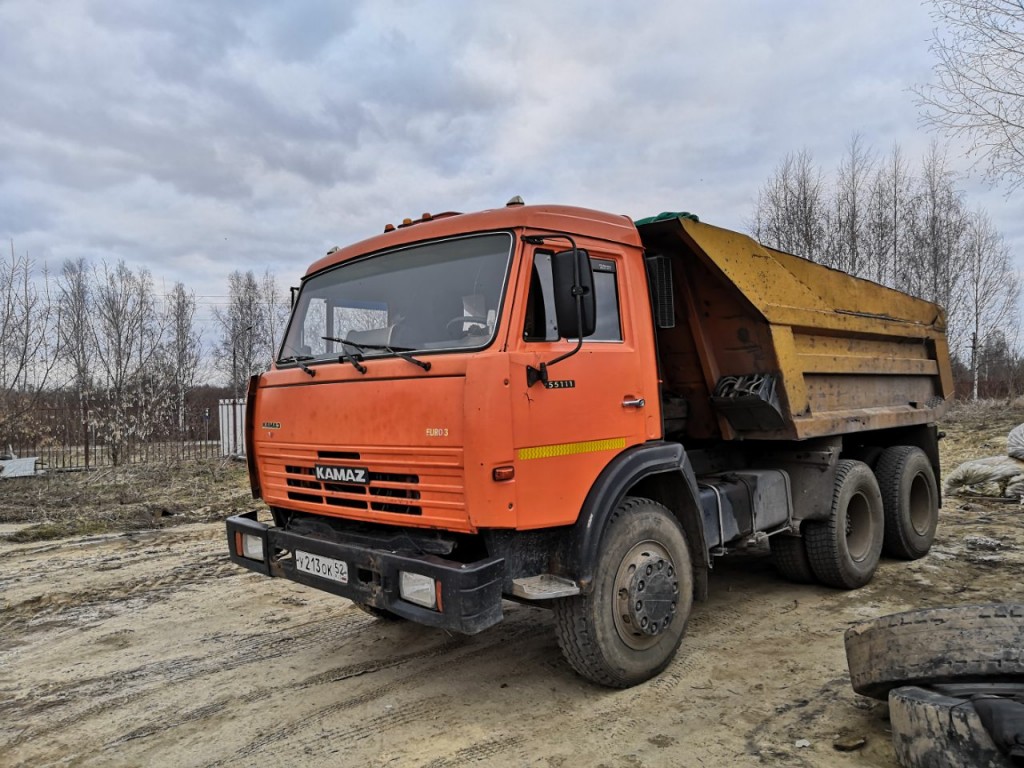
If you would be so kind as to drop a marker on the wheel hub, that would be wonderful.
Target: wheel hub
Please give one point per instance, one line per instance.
(647, 595)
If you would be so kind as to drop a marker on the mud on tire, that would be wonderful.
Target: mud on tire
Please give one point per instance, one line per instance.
(627, 629)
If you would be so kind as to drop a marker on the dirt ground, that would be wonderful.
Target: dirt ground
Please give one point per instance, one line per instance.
(144, 646)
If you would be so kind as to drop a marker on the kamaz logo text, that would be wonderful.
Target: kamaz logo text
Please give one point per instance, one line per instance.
(343, 474)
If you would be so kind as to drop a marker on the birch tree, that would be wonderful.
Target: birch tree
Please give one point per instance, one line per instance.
(127, 331)
(28, 342)
(183, 348)
(850, 240)
(978, 88)
(247, 328)
(992, 290)
(791, 208)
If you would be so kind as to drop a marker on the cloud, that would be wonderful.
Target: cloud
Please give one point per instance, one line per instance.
(198, 137)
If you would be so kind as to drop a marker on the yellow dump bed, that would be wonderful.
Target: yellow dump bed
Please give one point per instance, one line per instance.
(767, 345)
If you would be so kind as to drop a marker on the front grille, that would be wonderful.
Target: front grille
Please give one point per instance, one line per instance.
(425, 483)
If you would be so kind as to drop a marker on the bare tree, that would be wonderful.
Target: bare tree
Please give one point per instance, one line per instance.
(992, 289)
(890, 211)
(978, 92)
(937, 265)
(183, 347)
(791, 212)
(127, 332)
(74, 306)
(248, 328)
(849, 242)
(28, 343)
(277, 310)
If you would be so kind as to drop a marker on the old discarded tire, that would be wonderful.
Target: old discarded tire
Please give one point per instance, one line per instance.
(968, 643)
(934, 730)
(844, 550)
(378, 613)
(910, 497)
(627, 629)
(789, 555)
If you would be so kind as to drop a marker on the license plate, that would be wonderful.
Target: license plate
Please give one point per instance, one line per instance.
(324, 567)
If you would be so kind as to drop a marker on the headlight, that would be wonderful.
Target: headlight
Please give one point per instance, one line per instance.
(251, 546)
(417, 589)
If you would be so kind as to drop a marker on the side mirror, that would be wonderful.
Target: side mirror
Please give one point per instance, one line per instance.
(573, 280)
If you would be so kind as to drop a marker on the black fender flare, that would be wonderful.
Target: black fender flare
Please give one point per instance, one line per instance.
(650, 462)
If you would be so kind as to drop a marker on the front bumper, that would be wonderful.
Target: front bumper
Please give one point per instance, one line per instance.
(470, 592)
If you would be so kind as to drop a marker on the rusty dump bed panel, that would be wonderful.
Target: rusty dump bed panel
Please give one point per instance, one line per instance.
(767, 345)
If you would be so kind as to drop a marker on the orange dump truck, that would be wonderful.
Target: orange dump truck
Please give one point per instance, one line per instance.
(560, 406)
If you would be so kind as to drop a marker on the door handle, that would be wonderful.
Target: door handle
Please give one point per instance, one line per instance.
(634, 402)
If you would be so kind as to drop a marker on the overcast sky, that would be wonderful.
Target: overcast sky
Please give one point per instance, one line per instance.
(197, 138)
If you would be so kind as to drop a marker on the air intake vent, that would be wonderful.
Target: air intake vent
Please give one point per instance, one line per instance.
(659, 275)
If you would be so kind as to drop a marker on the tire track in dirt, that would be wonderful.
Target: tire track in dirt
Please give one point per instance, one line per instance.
(42, 611)
(484, 751)
(261, 693)
(125, 687)
(448, 657)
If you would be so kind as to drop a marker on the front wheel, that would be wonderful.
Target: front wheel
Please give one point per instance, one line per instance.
(627, 629)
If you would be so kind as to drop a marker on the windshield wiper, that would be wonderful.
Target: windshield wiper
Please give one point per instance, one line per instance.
(402, 352)
(298, 360)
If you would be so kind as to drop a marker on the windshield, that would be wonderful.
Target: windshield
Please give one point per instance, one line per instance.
(436, 296)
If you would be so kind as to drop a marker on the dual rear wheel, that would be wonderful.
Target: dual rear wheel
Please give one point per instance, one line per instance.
(893, 508)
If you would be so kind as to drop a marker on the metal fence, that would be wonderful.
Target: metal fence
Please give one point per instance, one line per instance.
(231, 416)
(65, 438)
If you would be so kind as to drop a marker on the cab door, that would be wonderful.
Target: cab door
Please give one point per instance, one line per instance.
(595, 403)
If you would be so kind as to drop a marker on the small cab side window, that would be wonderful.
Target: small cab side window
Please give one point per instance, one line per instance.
(540, 322)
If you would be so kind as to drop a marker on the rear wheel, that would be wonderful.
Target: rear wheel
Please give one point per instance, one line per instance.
(844, 550)
(910, 497)
(627, 629)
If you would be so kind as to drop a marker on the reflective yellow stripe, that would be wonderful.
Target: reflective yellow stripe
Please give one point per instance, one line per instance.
(568, 449)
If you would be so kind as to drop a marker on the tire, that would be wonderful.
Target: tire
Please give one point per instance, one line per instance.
(910, 497)
(935, 730)
(378, 613)
(611, 636)
(844, 550)
(968, 643)
(789, 555)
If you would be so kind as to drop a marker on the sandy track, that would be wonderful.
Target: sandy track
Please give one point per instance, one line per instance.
(152, 649)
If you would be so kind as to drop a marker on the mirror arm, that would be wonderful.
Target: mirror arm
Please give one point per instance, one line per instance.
(533, 375)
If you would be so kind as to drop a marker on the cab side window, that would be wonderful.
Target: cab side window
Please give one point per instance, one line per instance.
(540, 322)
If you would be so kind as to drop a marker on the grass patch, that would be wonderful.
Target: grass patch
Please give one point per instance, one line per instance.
(138, 497)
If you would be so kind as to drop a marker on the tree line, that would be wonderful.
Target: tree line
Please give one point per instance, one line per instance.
(907, 226)
(101, 345)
